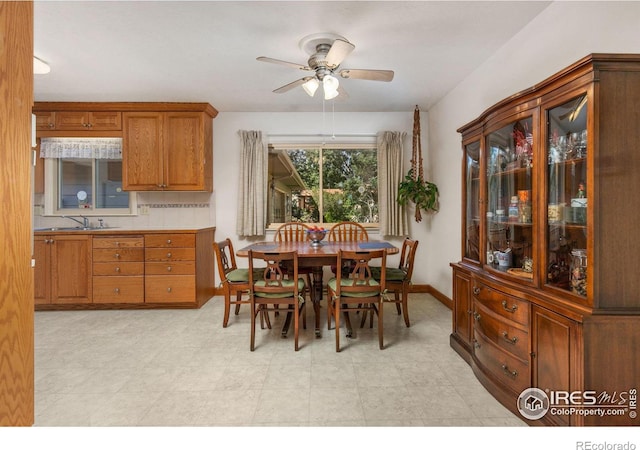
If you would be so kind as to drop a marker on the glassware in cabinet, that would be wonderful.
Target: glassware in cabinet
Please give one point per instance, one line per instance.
(472, 199)
(566, 229)
(509, 217)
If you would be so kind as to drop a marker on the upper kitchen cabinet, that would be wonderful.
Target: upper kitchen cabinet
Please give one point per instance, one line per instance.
(59, 118)
(168, 150)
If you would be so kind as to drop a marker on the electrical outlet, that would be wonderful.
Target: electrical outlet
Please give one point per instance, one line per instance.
(144, 210)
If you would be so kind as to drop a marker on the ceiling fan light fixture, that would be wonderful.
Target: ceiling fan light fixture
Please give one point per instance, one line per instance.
(330, 85)
(311, 86)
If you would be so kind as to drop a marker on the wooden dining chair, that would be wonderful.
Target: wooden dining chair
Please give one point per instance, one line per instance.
(358, 291)
(234, 281)
(272, 287)
(347, 232)
(295, 232)
(398, 280)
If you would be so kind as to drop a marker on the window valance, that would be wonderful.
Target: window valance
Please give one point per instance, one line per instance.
(91, 148)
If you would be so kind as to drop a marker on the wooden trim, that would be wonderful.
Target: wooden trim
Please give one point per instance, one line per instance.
(16, 303)
(126, 107)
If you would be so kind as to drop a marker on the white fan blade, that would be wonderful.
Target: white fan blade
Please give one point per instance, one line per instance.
(338, 52)
(293, 84)
(364, 74)
(283, 63)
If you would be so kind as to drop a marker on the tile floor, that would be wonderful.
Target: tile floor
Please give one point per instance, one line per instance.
(181, 368)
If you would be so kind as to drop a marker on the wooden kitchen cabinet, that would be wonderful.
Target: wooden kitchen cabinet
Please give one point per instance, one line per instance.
(105, 269)
(168, 151)
(78, 120)
(118, 269)
(62, 272)
(548, 219)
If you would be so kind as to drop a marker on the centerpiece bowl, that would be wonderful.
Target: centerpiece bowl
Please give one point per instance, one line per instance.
(316, 236)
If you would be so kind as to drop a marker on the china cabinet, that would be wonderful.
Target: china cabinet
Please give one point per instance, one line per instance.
(546, 293)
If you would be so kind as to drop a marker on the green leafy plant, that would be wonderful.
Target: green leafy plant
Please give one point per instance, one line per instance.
(421, 192)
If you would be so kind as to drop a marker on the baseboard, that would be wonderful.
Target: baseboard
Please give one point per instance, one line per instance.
(415, 288)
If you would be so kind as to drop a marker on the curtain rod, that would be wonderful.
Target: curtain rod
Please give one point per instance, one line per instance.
(322, 135)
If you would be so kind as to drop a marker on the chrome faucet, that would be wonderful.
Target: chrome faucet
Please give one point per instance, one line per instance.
(84, 223)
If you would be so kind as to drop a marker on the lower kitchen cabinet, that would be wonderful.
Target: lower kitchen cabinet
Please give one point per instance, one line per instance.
(118, 269)
(124, 269)
(62, 271)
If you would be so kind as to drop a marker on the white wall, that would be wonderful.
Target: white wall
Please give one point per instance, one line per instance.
(562, 34)
(226, 146)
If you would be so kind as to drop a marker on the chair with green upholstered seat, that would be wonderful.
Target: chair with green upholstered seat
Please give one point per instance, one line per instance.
(358, 290)
(234, 281)
(398, 280)
(273, 286)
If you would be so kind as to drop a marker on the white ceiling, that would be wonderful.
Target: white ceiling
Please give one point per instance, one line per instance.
(205, 51)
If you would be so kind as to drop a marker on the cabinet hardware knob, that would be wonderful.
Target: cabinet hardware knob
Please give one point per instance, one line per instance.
(511, 373)
(476, 290)
(51, 125)
(117, 255)
(168, 254)
(116, 290)
(513, 340)
(169, 289)
(117, 244)
(117, 269)
(511, 309)
(477, 316)
(159, 185)
(476, 344)
(169, 269)
(168, 241)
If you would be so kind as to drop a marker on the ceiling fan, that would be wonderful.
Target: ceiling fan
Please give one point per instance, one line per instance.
(327, 51)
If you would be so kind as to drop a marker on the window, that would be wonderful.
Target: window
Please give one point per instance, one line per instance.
(323, 185)
(85, 176)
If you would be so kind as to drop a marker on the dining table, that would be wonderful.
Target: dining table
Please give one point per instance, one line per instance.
(325, 253)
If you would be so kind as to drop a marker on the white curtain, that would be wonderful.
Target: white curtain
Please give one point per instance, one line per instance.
(252, 185)
(90, 148)
(393, 217)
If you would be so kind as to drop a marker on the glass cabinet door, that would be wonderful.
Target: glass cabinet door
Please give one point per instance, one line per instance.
(472, 199)
(566, 228)
(509, 215)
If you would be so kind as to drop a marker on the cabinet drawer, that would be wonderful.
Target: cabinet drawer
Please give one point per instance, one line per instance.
(171, 268)
(509, 370)
(118, 289)
(118, 242)
(118, 268)
(169, 289)
(118, 254)
(170, 254)
(501, 332)
(170, 240)
(502, 304)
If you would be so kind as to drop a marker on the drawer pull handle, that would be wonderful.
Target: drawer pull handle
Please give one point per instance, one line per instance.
(513, 340)
(169, 269)
(511, 373)
(506, 308)
(117, 255)
(169, 255)
(117, 269)
(476, 290)
(476, 344)
(169, 289)
(116, 290)
(117, 244)
(477, 316)
(168, 241)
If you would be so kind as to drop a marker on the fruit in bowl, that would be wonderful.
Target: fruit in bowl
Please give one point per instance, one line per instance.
(316, 235)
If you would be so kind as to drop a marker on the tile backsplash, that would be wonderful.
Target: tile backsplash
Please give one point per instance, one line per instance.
(154, 210)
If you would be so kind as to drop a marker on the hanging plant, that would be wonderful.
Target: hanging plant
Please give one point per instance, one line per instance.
(423, 193)
(414, 188)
